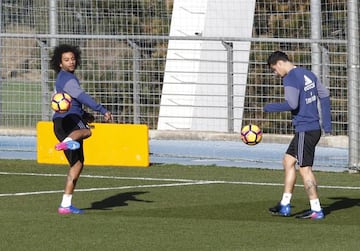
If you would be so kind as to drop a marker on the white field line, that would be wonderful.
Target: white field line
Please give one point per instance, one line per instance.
(180, 182)
(107, 188)
(97, 177)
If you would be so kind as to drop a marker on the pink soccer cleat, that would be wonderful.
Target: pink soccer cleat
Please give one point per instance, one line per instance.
(70, 210)
(68, 145)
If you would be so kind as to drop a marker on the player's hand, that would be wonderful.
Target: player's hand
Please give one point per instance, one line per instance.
(108, 116)
(88, 117)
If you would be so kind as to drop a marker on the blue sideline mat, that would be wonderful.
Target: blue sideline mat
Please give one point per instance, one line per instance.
(196, 152)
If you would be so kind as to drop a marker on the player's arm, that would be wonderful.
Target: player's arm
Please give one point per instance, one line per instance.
(291, 101)
(74, 89)
(87, 100)
(324, 97)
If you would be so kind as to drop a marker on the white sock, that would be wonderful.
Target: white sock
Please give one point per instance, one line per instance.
(286, 199)
(315, 205)
(67, 139)
(66, 200)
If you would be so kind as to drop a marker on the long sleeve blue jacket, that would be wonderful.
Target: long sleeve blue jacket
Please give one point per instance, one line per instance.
(303, 90)
(68, 82)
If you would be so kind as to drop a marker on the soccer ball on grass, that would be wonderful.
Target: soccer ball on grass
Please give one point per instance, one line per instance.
(60, 102)
(251, 134)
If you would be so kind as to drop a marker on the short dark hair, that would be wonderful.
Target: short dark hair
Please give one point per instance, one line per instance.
(277, 56)
(59, 50)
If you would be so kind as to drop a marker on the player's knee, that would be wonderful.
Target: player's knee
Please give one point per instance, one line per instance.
(305, 171)
(86, 133)
(288, 161)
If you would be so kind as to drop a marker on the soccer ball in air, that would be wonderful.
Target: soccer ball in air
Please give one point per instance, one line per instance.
(61, 102)
(251, 134)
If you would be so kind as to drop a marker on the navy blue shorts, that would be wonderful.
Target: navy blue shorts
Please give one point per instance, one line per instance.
(63, 127)
(302, 147)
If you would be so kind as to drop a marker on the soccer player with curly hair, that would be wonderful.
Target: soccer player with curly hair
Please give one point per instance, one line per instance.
(71, 127)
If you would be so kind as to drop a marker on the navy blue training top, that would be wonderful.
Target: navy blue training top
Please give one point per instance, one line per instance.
(302, 91)
(69, 83)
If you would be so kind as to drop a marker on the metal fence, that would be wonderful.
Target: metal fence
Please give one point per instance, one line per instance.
(125, 46)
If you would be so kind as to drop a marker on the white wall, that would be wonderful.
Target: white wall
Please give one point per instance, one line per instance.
(194, 90)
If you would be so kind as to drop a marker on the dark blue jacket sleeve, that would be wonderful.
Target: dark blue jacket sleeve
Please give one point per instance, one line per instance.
(87, 100)
(73, 88)
(326, 114)
(291, 101)
(277, 107)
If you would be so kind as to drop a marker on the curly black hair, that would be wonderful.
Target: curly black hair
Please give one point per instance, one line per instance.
(59, 50)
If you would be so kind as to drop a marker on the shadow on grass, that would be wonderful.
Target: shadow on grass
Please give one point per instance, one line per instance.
(340, 203)
(118, 200)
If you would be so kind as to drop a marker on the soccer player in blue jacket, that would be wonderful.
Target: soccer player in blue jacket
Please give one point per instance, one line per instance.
(71, 127)
(302, 91)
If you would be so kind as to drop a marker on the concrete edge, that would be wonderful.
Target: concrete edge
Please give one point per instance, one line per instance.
(326, 141)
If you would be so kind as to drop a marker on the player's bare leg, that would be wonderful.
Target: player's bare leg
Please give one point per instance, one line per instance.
(72, 177)
(309, 180)
(70, 184)
(80, 134)
(310, 186)
(283, 208)
(71, 141)
(290, 173)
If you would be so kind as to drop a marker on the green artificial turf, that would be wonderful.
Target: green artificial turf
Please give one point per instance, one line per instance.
(171, 207)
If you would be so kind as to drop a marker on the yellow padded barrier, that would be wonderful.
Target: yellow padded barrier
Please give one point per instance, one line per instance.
(109, 145)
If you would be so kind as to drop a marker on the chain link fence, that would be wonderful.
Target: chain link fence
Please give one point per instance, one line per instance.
(124, 55)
